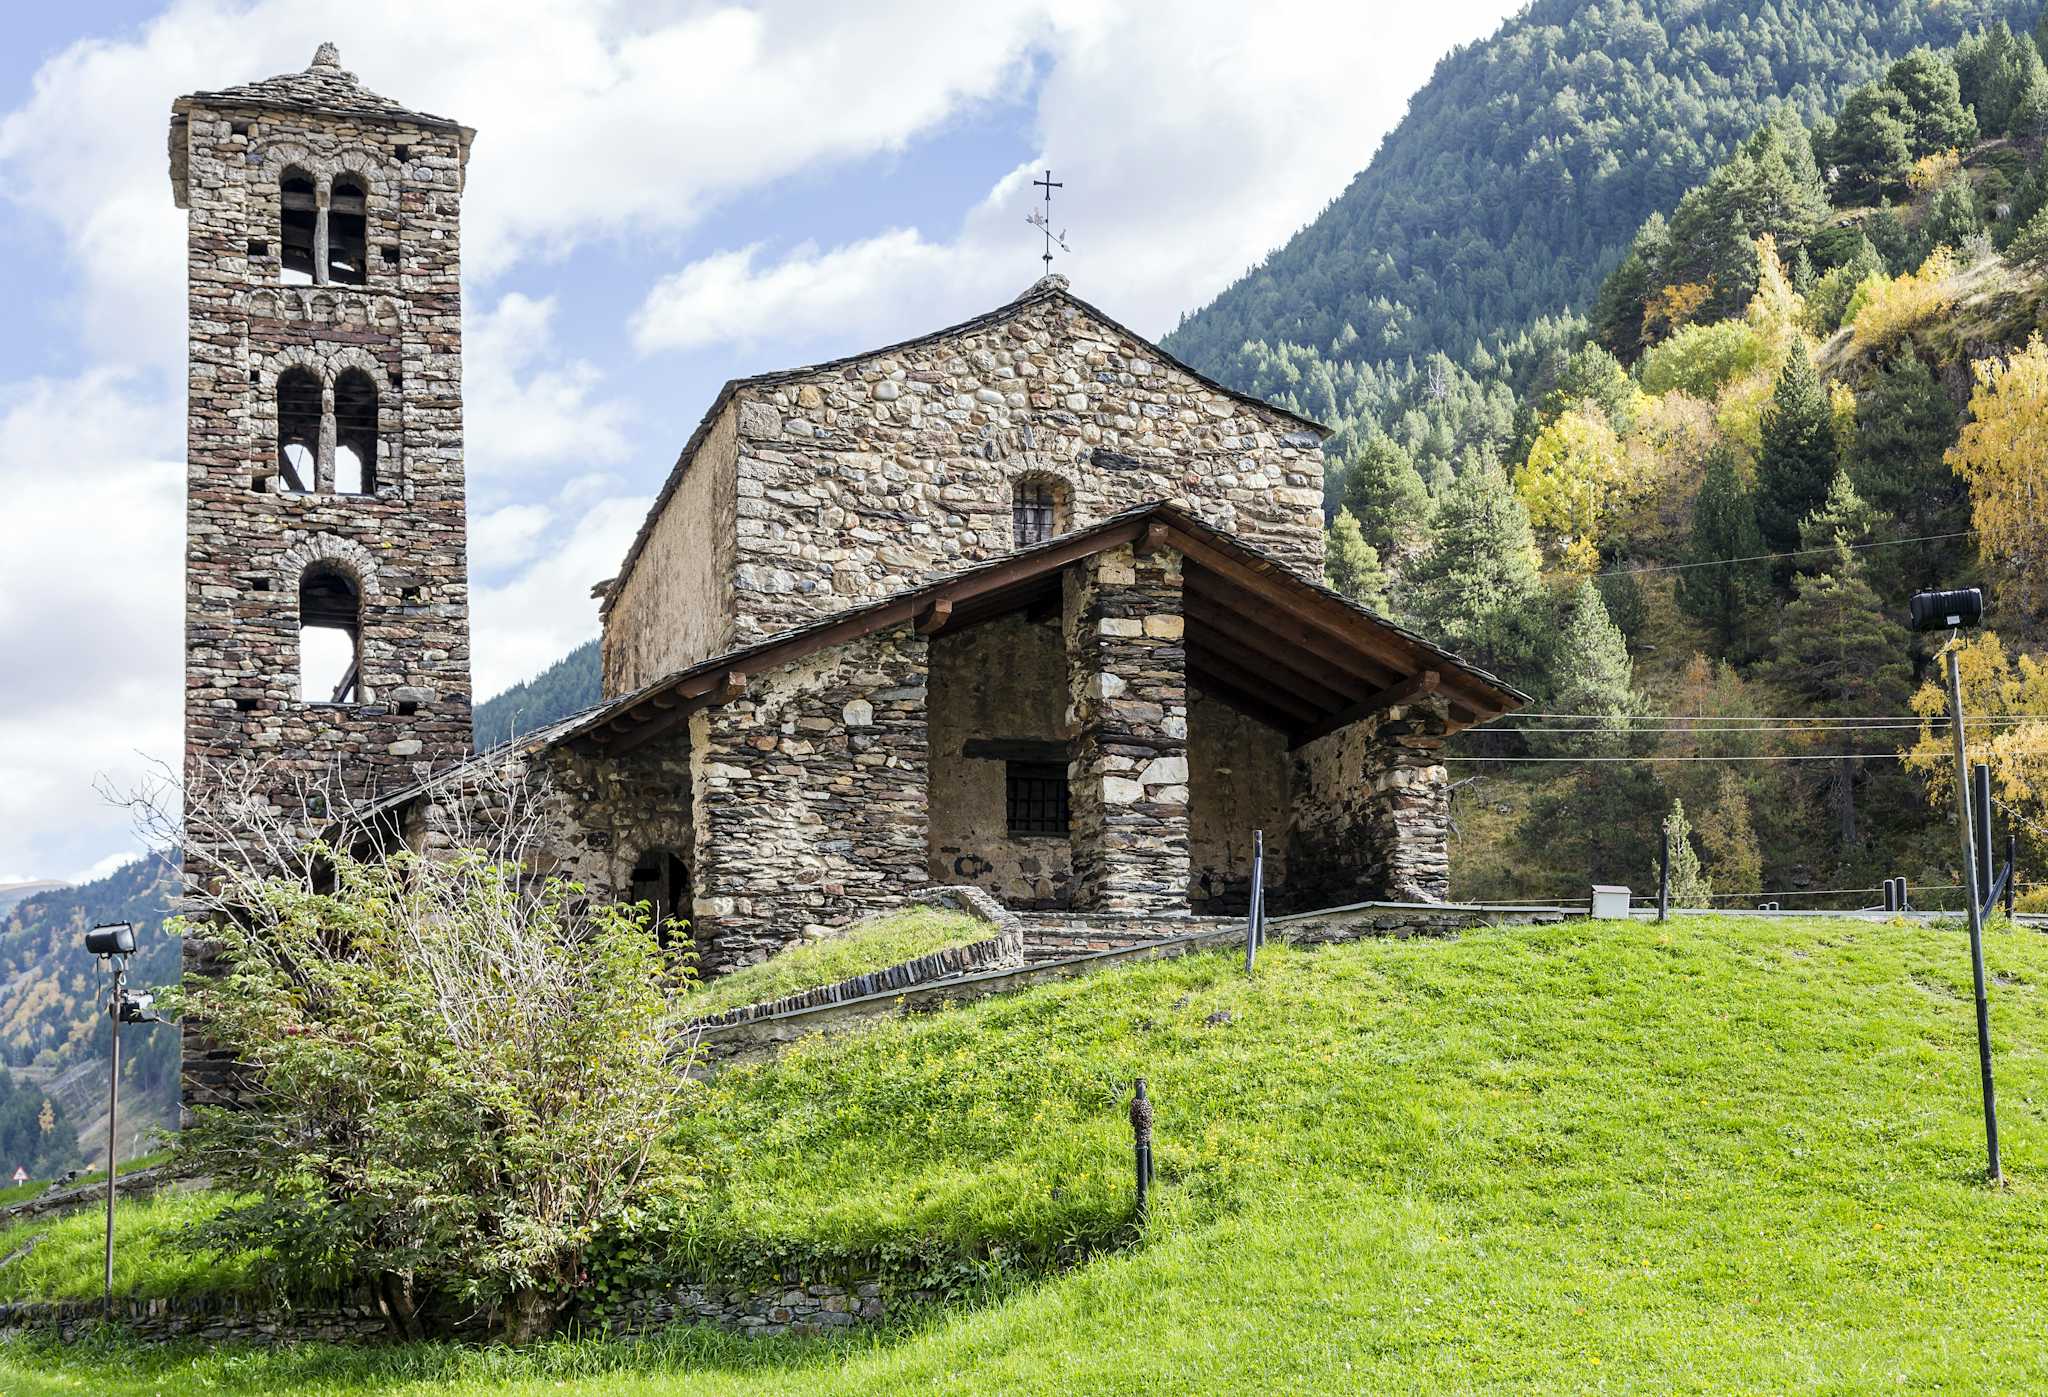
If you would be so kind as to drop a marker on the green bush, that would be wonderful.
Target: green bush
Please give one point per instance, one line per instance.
(1700, 359)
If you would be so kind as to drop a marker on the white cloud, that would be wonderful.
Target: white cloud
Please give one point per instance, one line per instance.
(1187, 150)
(521, 406)
(528, 622)
(106, 865)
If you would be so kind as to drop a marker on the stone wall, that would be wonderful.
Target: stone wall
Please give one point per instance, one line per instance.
(1005, 679)
(810, 798)
(675, 608)
(1371, 812)
(1128, 778)
(1238, 771)
(209, 1318)
(868, 477)
(247, 541)
(1004, 950)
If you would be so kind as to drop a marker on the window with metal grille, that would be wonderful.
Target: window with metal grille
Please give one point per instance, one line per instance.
(1033, 512)
(1036, 794)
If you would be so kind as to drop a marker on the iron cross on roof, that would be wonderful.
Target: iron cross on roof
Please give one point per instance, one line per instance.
(1042, 221)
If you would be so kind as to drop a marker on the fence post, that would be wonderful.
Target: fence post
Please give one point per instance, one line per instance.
(1664, 879)
(1255, 912)
(1141, 1142)
(1980, 789)
(2012, 869)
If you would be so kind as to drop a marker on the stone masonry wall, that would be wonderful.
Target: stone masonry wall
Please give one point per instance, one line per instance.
(1128, 777)
(865, 479)
(810, 798)
(675, 608)
(1238, 772)
(247, 542)
(1371, 812)
(1004, 679)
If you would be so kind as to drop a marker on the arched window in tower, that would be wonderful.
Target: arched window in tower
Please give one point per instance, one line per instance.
(298, 432)
(330, 636)
(1038, 508)
(355, 434)
(348, 232)
(298, 218)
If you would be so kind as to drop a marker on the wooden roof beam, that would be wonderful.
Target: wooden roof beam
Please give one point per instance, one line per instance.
(1407, 691)
(1205, 665)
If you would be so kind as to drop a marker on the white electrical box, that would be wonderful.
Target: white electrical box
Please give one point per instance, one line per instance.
(1609, 901)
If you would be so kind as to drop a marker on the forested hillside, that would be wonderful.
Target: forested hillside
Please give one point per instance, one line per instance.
(569, 684)
(1514, 184)
(53, 995)
(1812, 386)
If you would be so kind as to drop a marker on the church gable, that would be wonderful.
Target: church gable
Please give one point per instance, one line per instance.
(865, 476)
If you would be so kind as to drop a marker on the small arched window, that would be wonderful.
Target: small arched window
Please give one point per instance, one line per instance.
(298, 221)
(348, 232)
(330, 636)
(355, 434)
(1038, 509)
(298, 432)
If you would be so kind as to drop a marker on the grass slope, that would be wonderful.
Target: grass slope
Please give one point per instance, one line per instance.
(875, 944)
(1719, 1156)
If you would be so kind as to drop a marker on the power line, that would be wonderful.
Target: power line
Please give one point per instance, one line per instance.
(1913, 718)
(1770, 557)
(1802, 757)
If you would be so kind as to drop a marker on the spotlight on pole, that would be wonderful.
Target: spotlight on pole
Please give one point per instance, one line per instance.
(114, 942)
(1955, 611)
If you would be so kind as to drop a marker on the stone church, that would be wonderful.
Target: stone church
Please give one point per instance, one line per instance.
(1022, 603)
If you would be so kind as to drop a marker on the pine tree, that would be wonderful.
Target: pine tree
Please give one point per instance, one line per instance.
(1589, 673)
(1952, 218)
(1352, 566)
(1690, 886)
(1474, 586)
(1871, 146)
(1834, 654)
(1935, 116)
(1994, 69)
(1841, 519)
(1904, 424)
(1385, 494)
(1723, 528)
(2028, 249)
(1727, 835)
(1796, 460)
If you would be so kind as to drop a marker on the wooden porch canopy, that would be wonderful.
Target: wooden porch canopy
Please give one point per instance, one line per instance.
(1259, 637)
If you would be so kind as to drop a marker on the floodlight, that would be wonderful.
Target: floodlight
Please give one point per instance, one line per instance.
(111, 939)
(1941, 611)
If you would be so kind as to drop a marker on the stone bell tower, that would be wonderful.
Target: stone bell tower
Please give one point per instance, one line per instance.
(326, 571)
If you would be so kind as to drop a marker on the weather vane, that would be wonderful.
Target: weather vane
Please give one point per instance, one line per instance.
(1042, 221)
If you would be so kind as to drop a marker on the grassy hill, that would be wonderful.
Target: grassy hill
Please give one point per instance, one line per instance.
(1718, 1156)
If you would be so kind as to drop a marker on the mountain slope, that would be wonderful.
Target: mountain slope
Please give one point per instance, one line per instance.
(1529, 159)
(569, 684)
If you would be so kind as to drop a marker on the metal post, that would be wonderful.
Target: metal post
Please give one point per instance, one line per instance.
(1980, 789)
(1141, 1140)
(113, 1118)
(1664, 879)
(1955, 708)
(2012, 870)
(1254, 909)
(1891, 895)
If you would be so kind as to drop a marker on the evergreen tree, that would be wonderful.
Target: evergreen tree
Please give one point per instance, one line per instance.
(1474, 586)
(1835, 654)
(1386, 496)
(1727, 836)
(1893, 241)
(1623, 594)
(1723, 528)
(1589, 672)
(2029, 248)
(1617, 315)
(1841, 519)
(1690, 886)
(1936, 118)
(1796, 461)
(1952, 218)
(1352, 566)
(1904, 424)
(1995, 69)
(1872, 145)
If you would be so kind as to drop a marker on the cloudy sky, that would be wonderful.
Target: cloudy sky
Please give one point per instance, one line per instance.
(663, 194)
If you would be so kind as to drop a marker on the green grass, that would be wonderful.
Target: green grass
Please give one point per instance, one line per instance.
(875, 944)
(68, 1256)
(1719, 1156)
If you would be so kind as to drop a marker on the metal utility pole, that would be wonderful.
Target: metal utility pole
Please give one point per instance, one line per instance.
(120, 965)
(1972, 891)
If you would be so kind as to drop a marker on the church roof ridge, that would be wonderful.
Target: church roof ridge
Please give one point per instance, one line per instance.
(321, 86)
(1052, 286)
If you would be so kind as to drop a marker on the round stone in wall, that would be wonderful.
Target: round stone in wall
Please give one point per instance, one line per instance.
(858, 714)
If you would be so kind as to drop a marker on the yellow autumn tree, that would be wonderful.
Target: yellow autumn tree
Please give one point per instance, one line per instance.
(2003, 455)
(1578, 476)
(2003, 697)
(1882, 312)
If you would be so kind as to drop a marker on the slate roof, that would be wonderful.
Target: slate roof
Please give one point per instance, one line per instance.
(324, 86)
